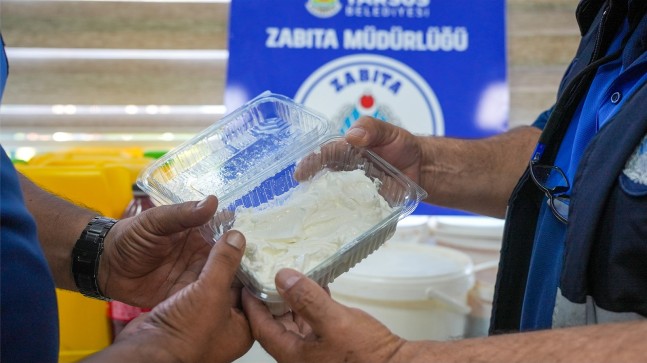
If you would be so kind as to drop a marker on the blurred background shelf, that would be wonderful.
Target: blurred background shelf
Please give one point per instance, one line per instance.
(104, 67)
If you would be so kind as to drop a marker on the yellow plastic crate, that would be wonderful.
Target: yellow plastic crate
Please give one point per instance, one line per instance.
(90, 153)
(104, 185)
(84, 326)
(106, 190)
(133, 159)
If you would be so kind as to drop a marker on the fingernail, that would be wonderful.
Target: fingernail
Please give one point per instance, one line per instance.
(287, 278)
(201, 203)
(235, 239)
(356, 132)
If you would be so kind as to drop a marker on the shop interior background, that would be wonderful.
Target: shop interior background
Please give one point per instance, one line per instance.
(152, 73)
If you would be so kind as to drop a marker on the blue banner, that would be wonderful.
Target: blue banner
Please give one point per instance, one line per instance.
(432, 67)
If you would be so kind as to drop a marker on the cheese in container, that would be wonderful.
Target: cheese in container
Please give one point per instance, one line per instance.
(303, 197)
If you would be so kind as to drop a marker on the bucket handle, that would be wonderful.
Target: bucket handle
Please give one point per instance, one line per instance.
(487, 265)
(459, 306)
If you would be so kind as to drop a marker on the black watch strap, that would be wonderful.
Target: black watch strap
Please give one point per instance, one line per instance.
(86, 255)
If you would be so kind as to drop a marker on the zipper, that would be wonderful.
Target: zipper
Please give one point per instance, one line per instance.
(598, 39)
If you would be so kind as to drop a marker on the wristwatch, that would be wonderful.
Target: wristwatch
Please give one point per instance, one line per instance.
(86, 255)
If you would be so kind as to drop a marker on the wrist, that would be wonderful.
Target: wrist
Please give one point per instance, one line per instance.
(104, 274)
(427, 168)
(424, 351)
(144, 348)
(407, 352)
(86, 256)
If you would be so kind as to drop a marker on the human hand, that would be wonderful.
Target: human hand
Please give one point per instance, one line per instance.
(317, 329)
(156, 253)
(396, 145)
(195, 324)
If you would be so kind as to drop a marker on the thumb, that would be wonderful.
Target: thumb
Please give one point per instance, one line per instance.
(169, 219)
(308, 299)
(368, 131)
(219, 272)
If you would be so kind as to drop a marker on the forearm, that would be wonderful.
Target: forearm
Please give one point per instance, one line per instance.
(476, 175)
(145, 348)
(60, 224)
(621, 342)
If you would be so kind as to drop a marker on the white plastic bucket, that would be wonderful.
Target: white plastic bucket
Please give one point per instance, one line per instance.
(480, 301)
(418, 291)
(411, 229)
(256, 354)
(480, 238)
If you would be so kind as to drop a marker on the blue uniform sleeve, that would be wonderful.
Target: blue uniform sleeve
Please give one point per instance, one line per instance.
(29, 313)
(541, 120)
(4, 67)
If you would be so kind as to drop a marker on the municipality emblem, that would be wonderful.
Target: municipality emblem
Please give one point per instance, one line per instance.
(365, 105)
(350, 87)
(323, 8)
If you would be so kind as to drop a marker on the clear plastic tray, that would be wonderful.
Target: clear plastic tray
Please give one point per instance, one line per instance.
(262, 151)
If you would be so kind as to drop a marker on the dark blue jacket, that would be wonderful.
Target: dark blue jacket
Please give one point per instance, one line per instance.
(606, 240)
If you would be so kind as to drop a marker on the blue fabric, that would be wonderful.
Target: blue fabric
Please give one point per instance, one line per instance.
(28, 311)
(541, 121)
(594, 111)
(4, 68)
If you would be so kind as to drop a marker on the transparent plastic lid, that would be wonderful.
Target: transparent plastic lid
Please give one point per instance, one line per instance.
(236, 153)
(257, 156)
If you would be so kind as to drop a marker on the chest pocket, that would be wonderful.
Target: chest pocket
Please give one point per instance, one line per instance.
(633, 179)
(618, 269)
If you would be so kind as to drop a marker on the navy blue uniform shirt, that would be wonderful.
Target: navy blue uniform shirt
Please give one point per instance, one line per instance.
(28, 311)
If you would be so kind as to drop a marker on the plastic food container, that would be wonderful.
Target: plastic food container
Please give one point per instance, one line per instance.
(249, 158)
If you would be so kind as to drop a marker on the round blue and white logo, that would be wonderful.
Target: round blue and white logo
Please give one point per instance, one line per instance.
(349, 87)
(323, 8)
